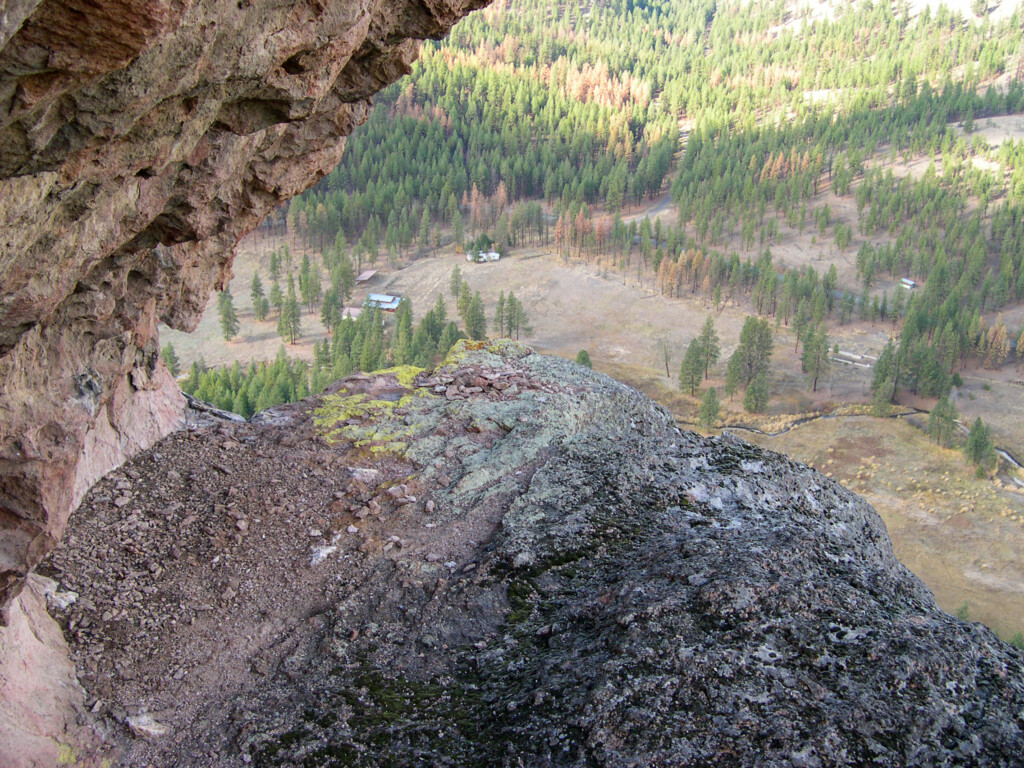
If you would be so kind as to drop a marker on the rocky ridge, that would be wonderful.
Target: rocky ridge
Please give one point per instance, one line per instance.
(509, 561)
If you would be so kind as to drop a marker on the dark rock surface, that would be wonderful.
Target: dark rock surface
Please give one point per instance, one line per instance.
(543, 571)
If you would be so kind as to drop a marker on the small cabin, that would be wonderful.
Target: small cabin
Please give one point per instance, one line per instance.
(384, 301)
(907, 283)
(366, 276)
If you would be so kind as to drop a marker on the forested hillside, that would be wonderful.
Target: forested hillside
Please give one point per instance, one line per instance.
(570, 105)
(538, 123)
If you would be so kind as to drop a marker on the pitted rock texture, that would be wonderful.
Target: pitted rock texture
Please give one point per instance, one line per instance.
(546, 575)
(139, 140)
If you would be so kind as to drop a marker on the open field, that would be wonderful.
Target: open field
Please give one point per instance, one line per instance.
(625, 326)
(256, 340)
(997, 130)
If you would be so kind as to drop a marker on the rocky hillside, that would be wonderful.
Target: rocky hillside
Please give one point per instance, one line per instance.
(510, 561)
(139, 140)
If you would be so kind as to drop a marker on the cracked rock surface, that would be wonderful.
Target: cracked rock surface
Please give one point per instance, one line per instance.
(397, 573)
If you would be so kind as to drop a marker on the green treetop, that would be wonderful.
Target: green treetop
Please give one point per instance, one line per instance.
(979, 448)
(692, 368)
(228, 318)
(942, 421)
(170, 359)
(709, 344)
(707, 413)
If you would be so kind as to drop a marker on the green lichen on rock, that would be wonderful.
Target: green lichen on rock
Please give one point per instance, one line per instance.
(366, 423)
(507, 349)
(405, 375)
(372, 422)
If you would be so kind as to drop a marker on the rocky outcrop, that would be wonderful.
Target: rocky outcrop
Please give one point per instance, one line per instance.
(510, 561)
(139, 140)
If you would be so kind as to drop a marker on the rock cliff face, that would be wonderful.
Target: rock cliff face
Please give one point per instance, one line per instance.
(510, 561)
(139, 139)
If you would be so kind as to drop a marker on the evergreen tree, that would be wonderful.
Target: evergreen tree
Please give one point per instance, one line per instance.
(401, 339)
(463, 300)
(475, 319)
(275, 267)
(755, 399)
(449, 336)
(245, 391)
(709, 344)
(881, 398)
(753, 354)
(343, 278)
(883, 380)
(692, 368)
(423, 233)
(499, 315)
(276, 297)
(815, 359)
(330, 309)
(195, 373)
(583, 358)
(516, 320)
(847, 305)
(458, 234)
(260, 306)
(289, 324)
(228, 318)
(455, 282)
(170, 359)
(422, 349)
(707, 412)
(305, 271)
(979, 448)
(372, 346)
(942, 421)
(435, 319)
(310, 286)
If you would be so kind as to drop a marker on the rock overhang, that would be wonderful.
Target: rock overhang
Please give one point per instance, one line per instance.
(140, 141)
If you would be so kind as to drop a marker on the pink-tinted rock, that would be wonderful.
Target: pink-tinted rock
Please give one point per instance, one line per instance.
(139, 141)
(39, 694)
